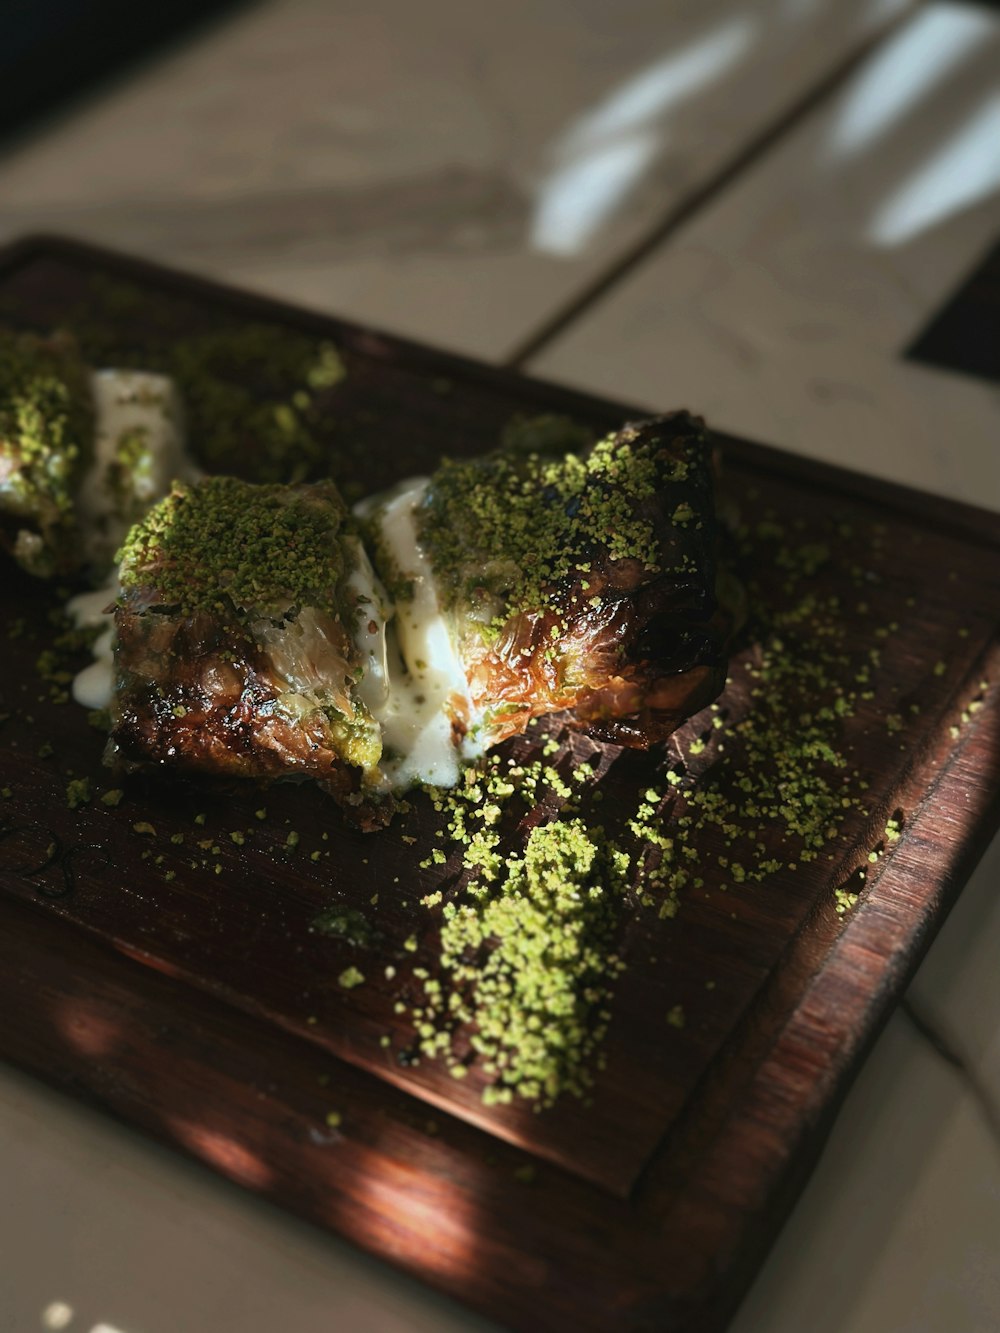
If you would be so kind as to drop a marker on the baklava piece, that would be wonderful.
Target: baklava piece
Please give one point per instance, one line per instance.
(46, 443)
(242, 631)
(581, 583)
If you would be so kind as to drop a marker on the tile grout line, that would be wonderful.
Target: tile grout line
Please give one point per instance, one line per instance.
(946, 1050)
(593, 292)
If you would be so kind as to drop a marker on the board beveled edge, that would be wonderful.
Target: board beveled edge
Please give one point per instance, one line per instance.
(771, 1139)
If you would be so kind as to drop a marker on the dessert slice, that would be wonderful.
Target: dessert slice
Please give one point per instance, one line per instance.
(46, 441)
(529, 582)
(243, 636)
(138, 451)
(83, 454)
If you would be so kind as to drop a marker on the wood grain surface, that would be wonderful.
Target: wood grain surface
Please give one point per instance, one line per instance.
(201, 1005)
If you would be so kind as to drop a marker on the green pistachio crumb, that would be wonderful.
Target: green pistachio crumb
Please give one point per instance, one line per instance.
(844, 901)
(78, 792)
(46, 432)
(261, 548)
(503, 528)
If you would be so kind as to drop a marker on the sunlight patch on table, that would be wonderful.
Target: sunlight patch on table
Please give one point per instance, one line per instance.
(580, 197)
(605, 153)
(964, 172)
(57, 1315)
(662, 86)
(904, 72)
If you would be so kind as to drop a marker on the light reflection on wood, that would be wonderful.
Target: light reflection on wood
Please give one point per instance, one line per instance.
(222, 1152)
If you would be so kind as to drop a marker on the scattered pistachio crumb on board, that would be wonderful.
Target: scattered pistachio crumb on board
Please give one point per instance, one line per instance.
(78, 792)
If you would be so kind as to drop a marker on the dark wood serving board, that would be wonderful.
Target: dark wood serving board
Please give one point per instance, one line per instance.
(187, 992)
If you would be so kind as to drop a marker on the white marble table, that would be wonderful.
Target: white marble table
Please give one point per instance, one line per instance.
(747, 208)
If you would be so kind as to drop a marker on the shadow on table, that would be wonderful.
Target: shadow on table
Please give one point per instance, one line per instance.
(53, 51)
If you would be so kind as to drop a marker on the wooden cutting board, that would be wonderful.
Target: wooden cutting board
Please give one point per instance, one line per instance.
(153, 965)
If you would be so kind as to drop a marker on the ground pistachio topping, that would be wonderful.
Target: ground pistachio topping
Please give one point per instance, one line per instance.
(261, 547)
(527, 961)
(530, 918)
(547, 433)
(845, 900)
(45, 438)
(288, 445)
(132, 463)
(774, 783)
(256, 396)
(78, 792)
(505, 528)
(530, 961)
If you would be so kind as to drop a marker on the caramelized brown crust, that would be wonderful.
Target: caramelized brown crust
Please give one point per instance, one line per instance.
(238, 688)
(628, 652)
(625, 638)
(197, 695)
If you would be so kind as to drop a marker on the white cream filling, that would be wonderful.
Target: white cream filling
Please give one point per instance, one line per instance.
(124, 401)
(372, 610)
(427, 687)
(93, 686)
(127, 402)
(412, 679)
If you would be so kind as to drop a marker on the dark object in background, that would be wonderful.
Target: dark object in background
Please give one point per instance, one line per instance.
(54, 50)
(965, 334)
